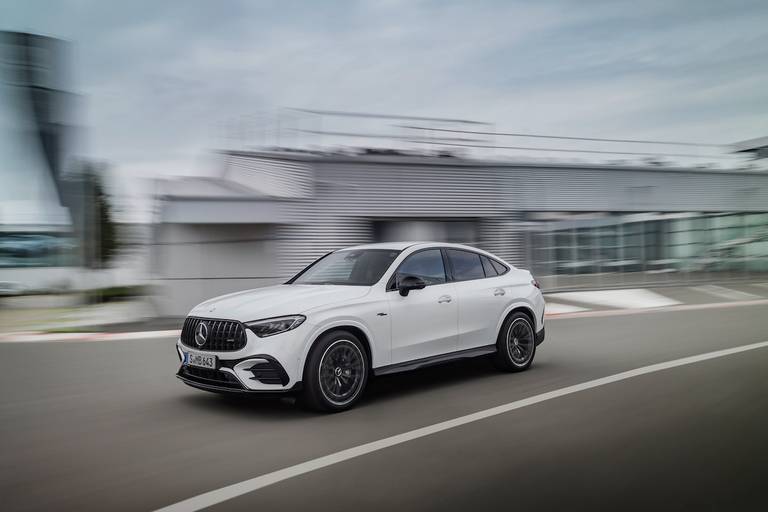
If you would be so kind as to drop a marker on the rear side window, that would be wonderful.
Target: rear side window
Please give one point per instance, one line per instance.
(490, 271)
(428, 265)
(500, 267)
(466, 265)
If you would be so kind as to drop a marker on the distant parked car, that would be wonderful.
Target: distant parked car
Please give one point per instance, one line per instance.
(367, 310)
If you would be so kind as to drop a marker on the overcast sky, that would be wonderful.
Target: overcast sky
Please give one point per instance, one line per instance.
(159, 78)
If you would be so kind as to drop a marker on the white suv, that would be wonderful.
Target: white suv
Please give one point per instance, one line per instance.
(367, 310)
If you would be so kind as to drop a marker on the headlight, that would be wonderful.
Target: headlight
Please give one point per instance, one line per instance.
(272, 326)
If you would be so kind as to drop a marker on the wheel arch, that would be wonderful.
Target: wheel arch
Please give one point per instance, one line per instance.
(521, 308)
(357, 330)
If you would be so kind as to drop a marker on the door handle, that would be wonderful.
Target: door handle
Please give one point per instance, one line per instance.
(444, 298)
(498, 292)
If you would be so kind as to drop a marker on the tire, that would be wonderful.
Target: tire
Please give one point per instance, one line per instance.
(516, 343)
(335, 373)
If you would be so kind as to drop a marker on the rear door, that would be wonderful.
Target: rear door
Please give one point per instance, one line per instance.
(482, 298)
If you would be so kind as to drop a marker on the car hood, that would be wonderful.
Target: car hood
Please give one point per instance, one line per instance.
(271, 301)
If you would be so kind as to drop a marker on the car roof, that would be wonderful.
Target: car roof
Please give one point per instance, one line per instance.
(396, 246)
(399, 246)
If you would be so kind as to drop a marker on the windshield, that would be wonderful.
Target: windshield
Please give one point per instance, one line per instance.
(350, 267)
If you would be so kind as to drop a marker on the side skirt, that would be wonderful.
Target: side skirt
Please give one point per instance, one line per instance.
(433, 360)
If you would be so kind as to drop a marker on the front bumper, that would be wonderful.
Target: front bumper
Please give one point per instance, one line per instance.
(263, 365)
(221, 384)
(267, 373)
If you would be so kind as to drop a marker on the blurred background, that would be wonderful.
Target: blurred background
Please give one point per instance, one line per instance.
(153, 157)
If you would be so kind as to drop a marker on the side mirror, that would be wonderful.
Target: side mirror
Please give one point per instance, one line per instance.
(408, 283)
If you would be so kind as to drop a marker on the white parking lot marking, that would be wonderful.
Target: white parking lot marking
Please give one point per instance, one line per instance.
(217, 496)
(725, 293)
(554, 308)
(629, 299)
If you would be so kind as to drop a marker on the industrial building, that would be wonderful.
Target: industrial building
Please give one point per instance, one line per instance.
(266, 215)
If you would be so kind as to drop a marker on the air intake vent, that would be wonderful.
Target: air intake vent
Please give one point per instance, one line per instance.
(209, 377)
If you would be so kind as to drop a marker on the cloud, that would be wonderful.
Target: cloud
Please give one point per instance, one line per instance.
(161, 79)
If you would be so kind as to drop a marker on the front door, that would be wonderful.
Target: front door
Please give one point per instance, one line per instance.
(425, 322)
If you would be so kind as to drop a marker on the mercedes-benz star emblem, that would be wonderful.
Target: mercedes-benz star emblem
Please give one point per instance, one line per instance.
(201, 334)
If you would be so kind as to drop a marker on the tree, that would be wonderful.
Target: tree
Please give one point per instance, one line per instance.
(92, 210)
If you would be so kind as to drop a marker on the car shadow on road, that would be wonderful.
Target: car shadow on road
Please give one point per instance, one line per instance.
(433, 378)
(269, 408)
(380, 390)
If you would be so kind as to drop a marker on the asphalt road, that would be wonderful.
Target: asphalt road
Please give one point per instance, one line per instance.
(106, 426)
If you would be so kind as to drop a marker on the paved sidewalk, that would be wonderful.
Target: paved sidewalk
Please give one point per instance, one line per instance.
(47, 314)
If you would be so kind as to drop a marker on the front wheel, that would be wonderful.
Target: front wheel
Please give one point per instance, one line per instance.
(336, 372)
(516, 343)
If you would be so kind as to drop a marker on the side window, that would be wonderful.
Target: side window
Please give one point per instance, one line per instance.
(500, 268)
(490, 271)
(466, 265)
(427, 265)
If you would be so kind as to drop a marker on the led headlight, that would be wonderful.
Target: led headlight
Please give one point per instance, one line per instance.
(272, 326)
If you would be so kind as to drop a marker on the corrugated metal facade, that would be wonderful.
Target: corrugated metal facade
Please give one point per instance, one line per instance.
(271, 177)
(336, 199)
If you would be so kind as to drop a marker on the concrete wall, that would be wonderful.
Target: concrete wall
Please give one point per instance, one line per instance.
(194, 262)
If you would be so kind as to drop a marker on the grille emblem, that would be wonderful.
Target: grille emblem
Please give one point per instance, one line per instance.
(201, 334)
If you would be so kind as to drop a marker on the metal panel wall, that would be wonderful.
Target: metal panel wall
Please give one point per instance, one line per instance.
(389, 191)
(278, 178)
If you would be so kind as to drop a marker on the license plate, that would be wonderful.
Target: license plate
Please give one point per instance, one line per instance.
(200, 360)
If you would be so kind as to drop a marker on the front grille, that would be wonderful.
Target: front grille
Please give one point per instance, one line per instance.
(221, 335)
(210, 377)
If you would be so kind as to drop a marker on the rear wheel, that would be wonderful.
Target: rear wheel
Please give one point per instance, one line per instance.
(336, 372)
(516, 343)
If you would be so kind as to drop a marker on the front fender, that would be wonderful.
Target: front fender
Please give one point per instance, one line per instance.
(341, 322)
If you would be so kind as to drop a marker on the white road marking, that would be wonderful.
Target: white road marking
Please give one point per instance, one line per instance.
(629, 299)
(725, 293)
(217, 496)
(555, 308)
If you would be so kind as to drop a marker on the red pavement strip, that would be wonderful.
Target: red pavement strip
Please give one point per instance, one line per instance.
(22, 337)
(43, 337)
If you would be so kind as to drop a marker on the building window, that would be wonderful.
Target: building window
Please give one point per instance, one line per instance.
(37, 250)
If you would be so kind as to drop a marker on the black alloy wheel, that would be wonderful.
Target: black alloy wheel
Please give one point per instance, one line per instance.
(336, 372)
(516, 343)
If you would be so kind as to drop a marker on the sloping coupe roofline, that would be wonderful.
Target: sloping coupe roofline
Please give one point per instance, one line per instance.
(401, 246)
